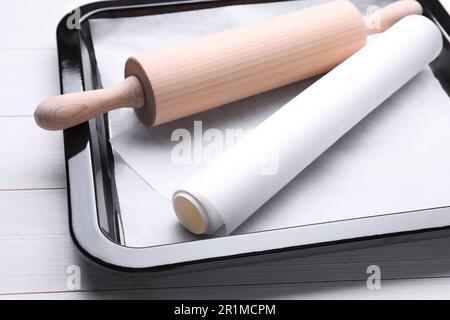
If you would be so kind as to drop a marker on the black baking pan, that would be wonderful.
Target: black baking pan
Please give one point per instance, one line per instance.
(94, 206)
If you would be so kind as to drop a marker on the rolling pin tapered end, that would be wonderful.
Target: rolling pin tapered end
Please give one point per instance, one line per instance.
(68, 110)
(382, 19)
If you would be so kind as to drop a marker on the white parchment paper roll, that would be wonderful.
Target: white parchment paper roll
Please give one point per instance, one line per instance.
(232, 188)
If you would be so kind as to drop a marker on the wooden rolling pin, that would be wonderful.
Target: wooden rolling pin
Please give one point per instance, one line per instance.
(187, 78)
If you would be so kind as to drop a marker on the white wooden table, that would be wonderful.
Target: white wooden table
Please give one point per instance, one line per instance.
(35, 246)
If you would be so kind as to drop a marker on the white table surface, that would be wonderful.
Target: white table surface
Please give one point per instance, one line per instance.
(35, 245)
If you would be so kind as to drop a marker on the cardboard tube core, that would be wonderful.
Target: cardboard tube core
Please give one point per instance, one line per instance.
(193, 214)
(190, 213)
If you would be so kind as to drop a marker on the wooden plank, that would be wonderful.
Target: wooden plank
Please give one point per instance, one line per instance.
(27, 213)
(33, 22)
(39, 264)
(390, 289)
(40, 251)
(32, 157)
(28, 77)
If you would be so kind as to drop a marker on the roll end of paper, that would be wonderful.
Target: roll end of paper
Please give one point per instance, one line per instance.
(193, 215)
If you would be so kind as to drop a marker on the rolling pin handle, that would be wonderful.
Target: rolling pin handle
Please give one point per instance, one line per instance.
(384, 18)
(68, 110)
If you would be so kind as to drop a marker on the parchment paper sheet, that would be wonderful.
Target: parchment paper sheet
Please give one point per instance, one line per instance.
(396, 160)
